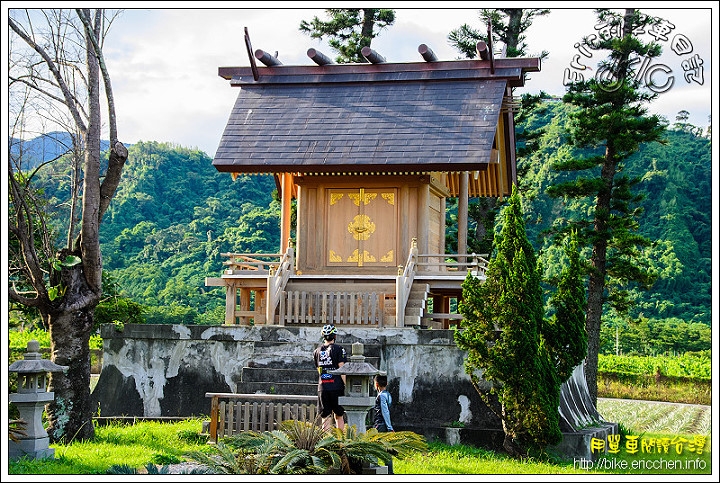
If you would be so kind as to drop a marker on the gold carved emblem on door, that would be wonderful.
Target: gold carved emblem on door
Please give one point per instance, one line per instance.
(362, 227)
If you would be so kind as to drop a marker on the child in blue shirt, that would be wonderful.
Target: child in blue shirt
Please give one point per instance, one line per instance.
(383, 401)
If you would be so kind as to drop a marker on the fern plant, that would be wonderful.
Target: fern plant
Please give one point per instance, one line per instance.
(301, 447)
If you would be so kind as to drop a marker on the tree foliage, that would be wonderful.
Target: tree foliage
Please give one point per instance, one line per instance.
(349, 30)
(653, 337)
(162, 251)
(508, 26)
(503, 334)
(675, 213)
(565, 333)
(612, 122)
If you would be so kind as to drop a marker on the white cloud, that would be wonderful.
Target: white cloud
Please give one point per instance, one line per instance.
(164, 62)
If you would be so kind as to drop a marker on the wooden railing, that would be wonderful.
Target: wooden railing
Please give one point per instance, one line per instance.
(274, 305)
(276, 283)
(241, 262)
(403, 284)
(233, 413)
(339, 308)
(435, 263)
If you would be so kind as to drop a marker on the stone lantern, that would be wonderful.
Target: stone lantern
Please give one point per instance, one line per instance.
(31, 398)
(358, 385)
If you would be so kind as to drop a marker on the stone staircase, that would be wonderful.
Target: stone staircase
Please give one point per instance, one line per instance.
(297, 377)
(417, 301)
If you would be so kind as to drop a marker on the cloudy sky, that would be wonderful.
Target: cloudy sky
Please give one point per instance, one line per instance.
(164, 62)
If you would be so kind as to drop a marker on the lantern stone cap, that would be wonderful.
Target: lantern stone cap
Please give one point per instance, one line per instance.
(34, 363)
(357, 365)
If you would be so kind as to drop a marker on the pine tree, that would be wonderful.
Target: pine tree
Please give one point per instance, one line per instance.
(612, 122)
(506, 26)
(349, 30)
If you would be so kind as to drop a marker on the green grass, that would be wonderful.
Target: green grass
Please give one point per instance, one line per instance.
(467, 460)
(19, 339)
(134, 445)
(166, 443)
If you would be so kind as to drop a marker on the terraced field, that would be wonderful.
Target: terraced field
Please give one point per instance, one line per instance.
(656, 417)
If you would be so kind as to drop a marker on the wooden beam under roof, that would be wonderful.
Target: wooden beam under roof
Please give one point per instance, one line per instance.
(481, 183)
(511, 69)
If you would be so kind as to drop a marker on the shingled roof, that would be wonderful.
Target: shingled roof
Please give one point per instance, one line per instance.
(385, 117)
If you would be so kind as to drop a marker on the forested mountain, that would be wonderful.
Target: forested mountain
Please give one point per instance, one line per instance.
(43, 148)
(174, 214)
(676, 211)
(172, 217)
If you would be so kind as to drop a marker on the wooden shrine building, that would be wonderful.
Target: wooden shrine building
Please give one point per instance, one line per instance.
(370, 152)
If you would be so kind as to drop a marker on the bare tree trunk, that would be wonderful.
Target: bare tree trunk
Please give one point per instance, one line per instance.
(70, 414)
(509, 444)
(596, 286)
(76, 287)
(514, 28)
(367, 25)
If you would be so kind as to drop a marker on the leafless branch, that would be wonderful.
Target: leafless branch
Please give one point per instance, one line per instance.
(70, 100)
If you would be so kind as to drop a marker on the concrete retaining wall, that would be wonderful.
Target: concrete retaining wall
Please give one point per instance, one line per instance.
(165, 370)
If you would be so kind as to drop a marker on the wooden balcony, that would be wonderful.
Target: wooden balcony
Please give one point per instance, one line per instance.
(263, 289)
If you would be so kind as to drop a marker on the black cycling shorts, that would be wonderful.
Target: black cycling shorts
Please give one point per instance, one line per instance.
(329, 403)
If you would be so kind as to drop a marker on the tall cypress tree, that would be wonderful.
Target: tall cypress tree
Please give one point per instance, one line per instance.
(565, 332)
(502, 335)
(611, 124)
(508, 27)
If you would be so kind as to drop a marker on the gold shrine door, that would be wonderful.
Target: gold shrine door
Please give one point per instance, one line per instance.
(362, 227)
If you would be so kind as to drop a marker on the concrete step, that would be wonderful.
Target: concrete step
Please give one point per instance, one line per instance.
(412, 320)
(297, 388)
(275, 376)
(283, 355)
(415, 303)
(260, 374)
(420, 288)
(414, 312)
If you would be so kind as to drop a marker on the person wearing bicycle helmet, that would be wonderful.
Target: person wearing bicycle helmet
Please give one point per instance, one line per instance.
(330, 356)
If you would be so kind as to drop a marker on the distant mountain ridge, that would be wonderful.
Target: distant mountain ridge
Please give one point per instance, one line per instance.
(45, 147)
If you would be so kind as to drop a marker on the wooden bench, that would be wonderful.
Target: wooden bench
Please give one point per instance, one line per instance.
(232, 413)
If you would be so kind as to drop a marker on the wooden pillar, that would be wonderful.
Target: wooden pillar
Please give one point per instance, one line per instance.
(443, 227)
(230, 300)
(441, 304)
(424, 218)
(244, 305)
(463, 216)
(286, 210)
(260, 316)
(509, 130)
